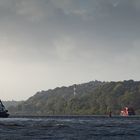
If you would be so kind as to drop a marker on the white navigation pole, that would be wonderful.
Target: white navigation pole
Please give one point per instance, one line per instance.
(74, 90)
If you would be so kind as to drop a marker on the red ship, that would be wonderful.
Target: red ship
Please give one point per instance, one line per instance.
(127, 111)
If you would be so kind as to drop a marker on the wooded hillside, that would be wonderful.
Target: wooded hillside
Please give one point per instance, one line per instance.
(93, 98)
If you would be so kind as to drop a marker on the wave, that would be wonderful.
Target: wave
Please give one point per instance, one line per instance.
(70, 128)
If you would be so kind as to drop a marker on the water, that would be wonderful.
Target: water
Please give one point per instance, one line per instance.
(70, 128)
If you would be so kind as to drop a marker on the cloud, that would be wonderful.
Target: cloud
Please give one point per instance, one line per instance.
(31, 9)
(64, 48)
(60, 42)
(136, 4)
(74, 8)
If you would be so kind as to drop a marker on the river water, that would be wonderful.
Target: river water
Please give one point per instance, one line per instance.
(70, 128)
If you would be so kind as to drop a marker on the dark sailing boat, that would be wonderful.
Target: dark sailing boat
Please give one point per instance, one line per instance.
(3, 111)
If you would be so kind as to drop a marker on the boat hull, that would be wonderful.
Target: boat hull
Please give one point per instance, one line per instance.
(4, 115)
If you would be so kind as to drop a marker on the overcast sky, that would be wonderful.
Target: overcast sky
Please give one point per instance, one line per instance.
(50, 43)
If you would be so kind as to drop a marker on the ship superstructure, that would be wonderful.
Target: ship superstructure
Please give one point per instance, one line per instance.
(127, 111)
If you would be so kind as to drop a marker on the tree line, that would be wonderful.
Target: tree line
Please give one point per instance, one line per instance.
(93, 98)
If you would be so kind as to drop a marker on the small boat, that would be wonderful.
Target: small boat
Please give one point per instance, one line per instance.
(127, 111)
(3, 112)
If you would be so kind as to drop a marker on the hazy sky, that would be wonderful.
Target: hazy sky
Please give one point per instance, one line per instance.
(50, 43)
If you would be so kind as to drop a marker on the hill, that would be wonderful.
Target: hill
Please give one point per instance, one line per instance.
(91, 98)
(13, 103)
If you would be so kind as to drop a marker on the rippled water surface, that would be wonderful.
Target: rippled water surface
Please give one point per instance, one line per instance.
(70, 128)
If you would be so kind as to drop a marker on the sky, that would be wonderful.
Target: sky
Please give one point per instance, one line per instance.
(46, 44)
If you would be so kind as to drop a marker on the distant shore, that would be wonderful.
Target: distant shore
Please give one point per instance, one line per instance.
(72, 116)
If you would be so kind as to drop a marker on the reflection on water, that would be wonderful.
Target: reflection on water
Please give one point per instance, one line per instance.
(70, 128)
